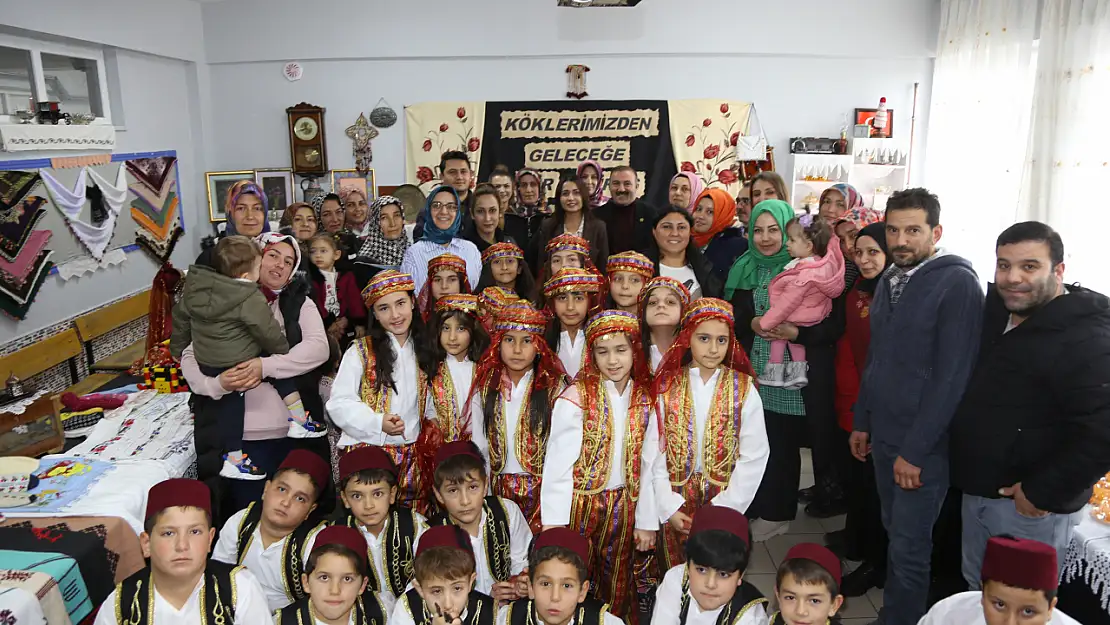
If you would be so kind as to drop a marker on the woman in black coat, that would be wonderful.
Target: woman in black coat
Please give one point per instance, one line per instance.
(572, 215)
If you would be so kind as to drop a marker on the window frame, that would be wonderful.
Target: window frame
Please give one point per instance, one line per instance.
(36, 48)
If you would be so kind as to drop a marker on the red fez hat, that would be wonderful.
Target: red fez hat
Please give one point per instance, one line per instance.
(178, 492)
(349, 537)
(819, 554)
(363, 459)
(1021, 563)
(447, 451)
(711, 517)
(567, 538)
(304, 461)
(451, 536)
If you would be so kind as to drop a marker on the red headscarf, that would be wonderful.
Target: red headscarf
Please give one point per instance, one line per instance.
(724, 212)
(700, 310)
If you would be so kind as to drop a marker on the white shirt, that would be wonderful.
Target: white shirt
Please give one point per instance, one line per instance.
(250, 606)
(415, 262)
(965, 608)
(462, 376)
(511, 411)
(377, 551)
(656, 358)
(570, 351)
(668, 600)
(606, 618)
(753, 446)
(564, 448)
(265, 564)
(520, 539)
(360, 423)
(685, 275)
(331, 296)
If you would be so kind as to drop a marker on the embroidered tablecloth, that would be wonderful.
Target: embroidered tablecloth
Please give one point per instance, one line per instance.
(160, 429)
(120, 540)
(62, 481)
(1088, 556)
(21, 607)
(19, 587)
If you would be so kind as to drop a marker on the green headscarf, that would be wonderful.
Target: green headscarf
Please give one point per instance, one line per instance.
(742, 276)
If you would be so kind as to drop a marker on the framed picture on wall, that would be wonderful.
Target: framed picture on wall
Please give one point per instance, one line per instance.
(277, 184)
(866, 117)
(349, 178)
(219, 183)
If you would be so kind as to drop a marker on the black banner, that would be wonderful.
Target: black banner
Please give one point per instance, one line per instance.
(554, 137)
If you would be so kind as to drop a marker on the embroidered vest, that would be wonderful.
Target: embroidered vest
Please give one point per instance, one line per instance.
(497, 537)
(480, 609)
(721, 448)
(366, 611)
(589, 612)
(135, 596)
(379, 400)
(746, 597)
(291, 565)
(397, 549)
(529, 447)
(591, 472)
(445, 401)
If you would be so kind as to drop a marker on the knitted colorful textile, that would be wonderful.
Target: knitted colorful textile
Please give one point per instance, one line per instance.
(698, 312)
(633, 262)
(386, 282)
(502, 250)
(460, 302)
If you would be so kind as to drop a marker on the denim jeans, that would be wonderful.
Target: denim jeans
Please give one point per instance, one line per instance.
(908, 516)
(983, 518)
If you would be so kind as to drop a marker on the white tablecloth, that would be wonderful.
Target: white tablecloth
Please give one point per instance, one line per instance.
(1088, 556)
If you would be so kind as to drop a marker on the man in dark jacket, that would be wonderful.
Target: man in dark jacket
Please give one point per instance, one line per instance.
(628, 221)
(1032, 434)
(925, 320)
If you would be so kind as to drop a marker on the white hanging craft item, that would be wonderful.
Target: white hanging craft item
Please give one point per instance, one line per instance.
(292, 71)
(576, 81)
(70, 203)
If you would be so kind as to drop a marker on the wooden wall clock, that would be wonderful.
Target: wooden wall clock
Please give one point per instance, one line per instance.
(308, 147)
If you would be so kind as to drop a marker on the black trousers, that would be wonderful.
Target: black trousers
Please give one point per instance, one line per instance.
(863, 525)
(777, 497)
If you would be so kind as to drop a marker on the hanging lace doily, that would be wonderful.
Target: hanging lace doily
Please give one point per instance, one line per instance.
(20, 406)
(1088, 556)
(81, 266)
(95, 237)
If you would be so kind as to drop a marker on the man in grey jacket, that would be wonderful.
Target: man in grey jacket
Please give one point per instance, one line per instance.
(925, 322)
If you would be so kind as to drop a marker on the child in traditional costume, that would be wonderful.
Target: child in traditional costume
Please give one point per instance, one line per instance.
(443, 590)
(335, 579)
(446, 276)
(503, 265)
(271, 537)
(181, 586)
(377, 397)
(628, 273)
(563, 251)
(709, 589)
(491, 301)
(518, 379)
(498, 531)
(714, 434)
(604, 443)
(807, 586)
(559, 585)
(457, 341)
(572, 295)
(368, 489)
(663, 301)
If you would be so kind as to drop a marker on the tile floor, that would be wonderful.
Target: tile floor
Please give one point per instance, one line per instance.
(767, 556)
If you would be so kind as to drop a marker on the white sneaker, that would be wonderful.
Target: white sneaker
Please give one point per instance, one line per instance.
(309, 429)
(764, 530)
(773, 374)
(795, 377)
(245, 470)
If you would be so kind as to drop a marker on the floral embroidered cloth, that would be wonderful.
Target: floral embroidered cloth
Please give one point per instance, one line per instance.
(31, 597)
(63, 480)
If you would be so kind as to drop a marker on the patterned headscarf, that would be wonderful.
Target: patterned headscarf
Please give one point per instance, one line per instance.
(378, 249)
(432, 232)
(234, 193)
(860, 216)
(522, 209)
(697, 185)
(609, 322)
(265, 241)
(724, 212)
(742, 276)
(598, 197)
(701, 310)
(852, 197)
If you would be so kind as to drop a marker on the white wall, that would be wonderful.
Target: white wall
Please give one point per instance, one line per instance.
(804, 63)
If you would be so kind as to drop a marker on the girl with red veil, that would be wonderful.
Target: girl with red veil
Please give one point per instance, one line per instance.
(446, 276)
(572, 295)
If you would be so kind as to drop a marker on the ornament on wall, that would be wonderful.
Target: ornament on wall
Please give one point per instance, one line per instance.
(383, 115)
(293, 71)
(361, 133)
(576, 81)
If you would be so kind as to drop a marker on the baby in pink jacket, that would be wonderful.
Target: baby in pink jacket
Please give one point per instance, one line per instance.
(802, 294)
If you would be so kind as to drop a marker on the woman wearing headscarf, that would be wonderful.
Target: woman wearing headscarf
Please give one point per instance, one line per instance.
(792, 415)
(593, 176)
(863, 537)
(442, 221)
(299, 221)
(684, 190)
(386, 242)
(522, 222)
(715, 230)
(245, 208)
(837, 200)
(331, 219)
(356, 211)
(845, 227)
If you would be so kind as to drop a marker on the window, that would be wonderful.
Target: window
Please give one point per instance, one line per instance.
(47, 71)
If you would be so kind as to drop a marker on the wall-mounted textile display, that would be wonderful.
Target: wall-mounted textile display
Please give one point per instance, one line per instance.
(712, 137)
(433, 128)
(67, 217)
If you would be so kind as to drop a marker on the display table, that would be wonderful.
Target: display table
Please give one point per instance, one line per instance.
(31, 597)
(1087, 567)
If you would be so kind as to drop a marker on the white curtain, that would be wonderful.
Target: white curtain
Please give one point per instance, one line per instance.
(1068, 165)
(979, 121)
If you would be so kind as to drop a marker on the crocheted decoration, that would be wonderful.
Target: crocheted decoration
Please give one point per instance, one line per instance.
(94, 237)
(461, 302)
(502, 250)
(386, 282)
(668, 283)
(572, 280)
(633, 262)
